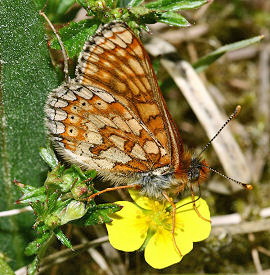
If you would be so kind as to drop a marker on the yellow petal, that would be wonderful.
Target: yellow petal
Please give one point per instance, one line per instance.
(147, 203)
(160, 251)
(191, 222)
(143, 202)
(128, 229)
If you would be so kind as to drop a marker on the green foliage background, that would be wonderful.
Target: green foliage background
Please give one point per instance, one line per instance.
(26, 78)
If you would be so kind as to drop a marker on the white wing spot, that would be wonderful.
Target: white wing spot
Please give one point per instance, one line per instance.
(163, 152)
(115, 155)
(118, 28)
(57, 102)
(118, 141)
(107, 33)
(134, 126)
(138, 152)
(67, 95)
(136, 66)
(107, 45)
(111, 57)
(99, 40)
(105, 96)
(106, 121)
(126, 36)
(97, 50)
(138, 50)
(103, 164)
(120, 123)
(116, 40)
(56, 114)
(150, 147)
(91, 127)
(84, 93)
(91, 68)
(92, 58)
(99, 123)
(56, 127)
(93, 138)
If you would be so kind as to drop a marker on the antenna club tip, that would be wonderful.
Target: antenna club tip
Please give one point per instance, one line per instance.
(238, 109)
(249, 187)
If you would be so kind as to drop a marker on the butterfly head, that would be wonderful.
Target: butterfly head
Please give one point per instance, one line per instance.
(197, 170)
(194, 169)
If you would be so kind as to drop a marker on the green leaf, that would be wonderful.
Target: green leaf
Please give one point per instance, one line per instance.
(207, 60)
(73, 211)
(52, 201)
(97, 4)
(24, 187)
(75, 35)
(176, 4)
(49, 156)
(110, 3)
(37, 208)
(173, 19)
(26, 78)
(40, 4)
(33, 247)
(58, 10)
(33, 267)
(5, 268)
(90, 174)
(32, 195)
(123, 3)
(62, 238)
(99, 214)
(64, 5)
(142, 16)
(135, 3)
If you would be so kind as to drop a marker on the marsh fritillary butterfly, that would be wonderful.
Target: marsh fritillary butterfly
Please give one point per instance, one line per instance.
(112, 118)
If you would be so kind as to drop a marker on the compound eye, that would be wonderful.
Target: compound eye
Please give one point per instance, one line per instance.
(194, 174)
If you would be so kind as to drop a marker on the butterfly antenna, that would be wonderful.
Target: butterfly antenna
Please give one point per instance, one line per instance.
(61, 44)
(232, 116)
(245, 185)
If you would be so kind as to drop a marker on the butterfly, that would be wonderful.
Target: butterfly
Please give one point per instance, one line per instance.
(113, 118)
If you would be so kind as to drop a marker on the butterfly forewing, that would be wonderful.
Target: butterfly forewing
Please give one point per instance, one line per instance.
(112, 116)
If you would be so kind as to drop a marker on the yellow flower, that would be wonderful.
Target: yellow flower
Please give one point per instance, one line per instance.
(147, 224)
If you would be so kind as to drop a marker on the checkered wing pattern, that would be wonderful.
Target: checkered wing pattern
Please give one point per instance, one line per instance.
(112, 116)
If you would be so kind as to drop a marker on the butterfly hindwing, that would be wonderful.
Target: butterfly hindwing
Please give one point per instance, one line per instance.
(94, 130)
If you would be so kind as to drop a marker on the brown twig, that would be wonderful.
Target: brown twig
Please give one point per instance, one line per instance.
(243, 228)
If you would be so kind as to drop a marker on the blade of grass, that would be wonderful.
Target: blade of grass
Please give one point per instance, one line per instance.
(207, 60)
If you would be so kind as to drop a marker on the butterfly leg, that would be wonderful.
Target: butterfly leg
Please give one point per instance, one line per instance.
(112, 189)
(173, 224)
(195, 207)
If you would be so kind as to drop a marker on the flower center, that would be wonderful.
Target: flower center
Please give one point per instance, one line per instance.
(160, 218)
